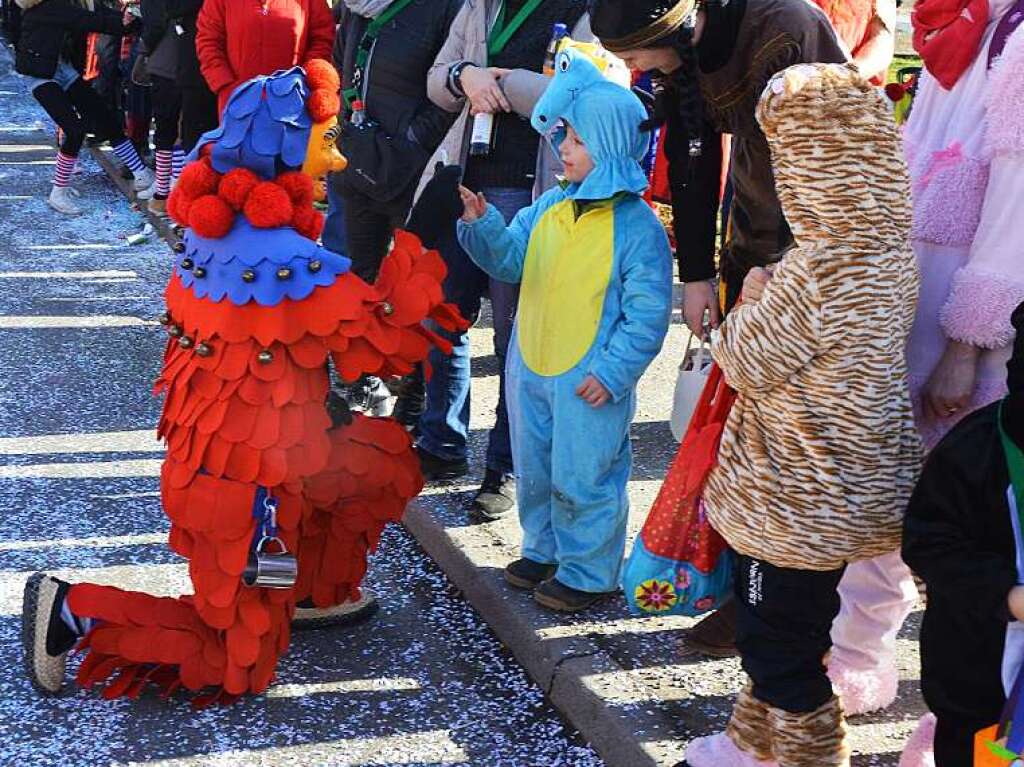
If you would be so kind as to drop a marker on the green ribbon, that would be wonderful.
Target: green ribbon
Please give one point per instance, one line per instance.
(351, 94)
(501, 32)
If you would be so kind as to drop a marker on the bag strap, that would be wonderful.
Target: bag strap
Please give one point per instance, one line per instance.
(501, 32)
(1015, 464)
(351, 94)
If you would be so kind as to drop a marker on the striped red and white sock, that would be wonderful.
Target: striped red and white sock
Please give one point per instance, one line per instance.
(126, 153)
(164, 158)
(178, 163)
(65, 166)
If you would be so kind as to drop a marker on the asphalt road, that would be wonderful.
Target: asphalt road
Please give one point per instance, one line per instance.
(425, 683)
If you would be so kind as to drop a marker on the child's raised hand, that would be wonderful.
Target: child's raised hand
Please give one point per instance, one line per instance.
(474, 205)
(593, 392)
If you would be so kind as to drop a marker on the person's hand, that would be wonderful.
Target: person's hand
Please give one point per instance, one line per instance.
(593, 392)
(474, 205)
(951, 383)
(483, 90)
(755, 282)
(1015, 601)
(699, 297)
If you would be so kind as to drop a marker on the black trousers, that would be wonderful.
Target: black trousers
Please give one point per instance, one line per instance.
(954, 739)
(783, 632)
(369, 226)
(198, 115)
(166, 111)
(73, 110)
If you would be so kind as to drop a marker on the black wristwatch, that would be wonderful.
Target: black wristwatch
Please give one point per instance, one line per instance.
(455, 78)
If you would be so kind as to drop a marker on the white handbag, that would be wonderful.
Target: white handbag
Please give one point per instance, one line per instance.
(693, 374)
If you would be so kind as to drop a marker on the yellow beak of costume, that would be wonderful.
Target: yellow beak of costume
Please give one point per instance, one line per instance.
(322, 155)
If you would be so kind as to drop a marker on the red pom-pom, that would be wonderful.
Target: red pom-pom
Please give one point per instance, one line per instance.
(321, 73)
(197, 179)
(268, 206)
(299, 187)
(895, 91)
(323, 104)
(210, 217)
(236, 185)
(178, 205)
(308, 222)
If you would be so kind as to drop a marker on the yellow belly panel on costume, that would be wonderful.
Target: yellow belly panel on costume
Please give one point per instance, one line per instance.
(565, 278)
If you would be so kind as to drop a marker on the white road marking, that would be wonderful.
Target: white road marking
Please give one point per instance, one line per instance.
(142, 467)
(431, 746)
(71, 246)
(138, 441)
(81, 321)
(101, 274)
(158, 580)
(110, 542)
(344, 686)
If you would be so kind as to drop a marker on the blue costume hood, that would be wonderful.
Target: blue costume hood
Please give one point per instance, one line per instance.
(265, 119)
(607, 118)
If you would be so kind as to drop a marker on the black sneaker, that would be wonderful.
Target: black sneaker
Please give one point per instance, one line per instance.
(557, 596)
(496, 496)
(526, 574)
(45, 638)
(367, 395)
(351, 613)
(436, 469)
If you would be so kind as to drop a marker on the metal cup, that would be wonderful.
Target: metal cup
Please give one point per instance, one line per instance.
(270, 569)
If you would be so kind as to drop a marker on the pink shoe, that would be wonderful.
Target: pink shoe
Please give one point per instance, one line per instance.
(863, 691)
(918, 751)
(719, 751)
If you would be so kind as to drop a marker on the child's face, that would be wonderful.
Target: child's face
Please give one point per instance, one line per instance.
(575, 157)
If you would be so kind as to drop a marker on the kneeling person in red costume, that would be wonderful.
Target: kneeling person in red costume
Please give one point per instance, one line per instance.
(275, 492)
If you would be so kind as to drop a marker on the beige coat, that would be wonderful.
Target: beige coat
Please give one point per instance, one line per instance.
(820, 452)
(467, 41)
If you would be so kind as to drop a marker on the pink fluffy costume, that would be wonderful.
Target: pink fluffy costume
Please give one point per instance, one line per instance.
(965, 149)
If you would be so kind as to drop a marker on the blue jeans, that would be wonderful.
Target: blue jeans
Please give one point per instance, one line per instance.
(444, 427)
(334, 236)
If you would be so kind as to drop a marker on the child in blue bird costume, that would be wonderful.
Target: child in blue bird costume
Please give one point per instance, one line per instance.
(596, 273)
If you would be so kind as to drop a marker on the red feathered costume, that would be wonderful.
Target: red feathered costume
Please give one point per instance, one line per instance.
(255, 308)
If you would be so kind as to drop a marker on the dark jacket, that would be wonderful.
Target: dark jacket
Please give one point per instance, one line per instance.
(958, 538)
(44, 26)
(396, 93)
(183, 14)
(768, 36)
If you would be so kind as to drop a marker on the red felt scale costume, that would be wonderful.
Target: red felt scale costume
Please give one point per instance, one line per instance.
(255, 309)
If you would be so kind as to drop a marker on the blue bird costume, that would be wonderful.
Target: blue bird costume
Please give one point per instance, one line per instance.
(596, 299)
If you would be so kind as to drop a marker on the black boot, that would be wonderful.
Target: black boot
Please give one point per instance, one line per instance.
(557, 596)
(527, 575)
(412, 400)
(715, 635)
(436, 469)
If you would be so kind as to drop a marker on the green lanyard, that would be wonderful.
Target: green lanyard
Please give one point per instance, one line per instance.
(501, 32)
(1015, 463)
(351, 94)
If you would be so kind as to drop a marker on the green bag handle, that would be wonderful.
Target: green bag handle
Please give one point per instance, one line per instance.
(351, 94)
(501, 33)
(1015, 464)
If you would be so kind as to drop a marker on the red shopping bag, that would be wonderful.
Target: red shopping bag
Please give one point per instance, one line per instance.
(680, 564)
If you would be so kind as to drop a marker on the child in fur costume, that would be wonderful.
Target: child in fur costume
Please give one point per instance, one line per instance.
(820, 453)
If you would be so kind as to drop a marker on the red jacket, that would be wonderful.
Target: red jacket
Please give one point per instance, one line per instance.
(239, 39)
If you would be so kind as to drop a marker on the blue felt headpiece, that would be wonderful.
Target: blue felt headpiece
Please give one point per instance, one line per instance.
(265, 121)
(607, 118)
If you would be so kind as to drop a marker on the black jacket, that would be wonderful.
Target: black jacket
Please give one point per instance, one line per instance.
(958, 538)
(154, 23)
(183, 14)
(46, 24)
(396, 95)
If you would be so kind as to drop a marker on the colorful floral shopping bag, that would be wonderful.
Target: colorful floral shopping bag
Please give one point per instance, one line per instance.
(679, 564)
